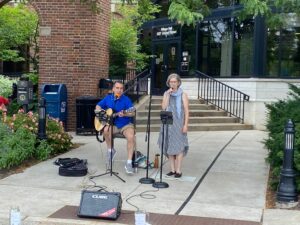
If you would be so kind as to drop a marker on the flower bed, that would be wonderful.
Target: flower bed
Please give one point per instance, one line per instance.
(18, 137)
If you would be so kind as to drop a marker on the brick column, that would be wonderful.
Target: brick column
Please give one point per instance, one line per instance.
(73, 47)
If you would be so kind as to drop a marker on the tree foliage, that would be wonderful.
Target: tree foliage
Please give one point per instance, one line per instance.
(123, 37)
(17, 28)
(187, 11)
(274, 11)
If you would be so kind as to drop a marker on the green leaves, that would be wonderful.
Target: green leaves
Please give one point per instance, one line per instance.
(278, 114)
(146, 10)
(273, 10)
(187, 12)
(123, 37)
(17, 27)
(16, 148)
(19, 140)
(6, 86)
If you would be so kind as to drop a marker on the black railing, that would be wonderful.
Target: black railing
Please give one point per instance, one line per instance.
(129, 75)
(221, 95)
(138, 86)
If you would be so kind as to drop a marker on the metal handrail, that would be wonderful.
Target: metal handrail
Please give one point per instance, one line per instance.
(138, 86)
(222, 96)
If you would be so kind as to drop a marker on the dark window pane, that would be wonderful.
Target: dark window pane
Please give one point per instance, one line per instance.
(215, 47)
(188, 49)
(243, 48)
(283, 49)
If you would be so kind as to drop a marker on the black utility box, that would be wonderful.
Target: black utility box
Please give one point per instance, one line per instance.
(85, 115)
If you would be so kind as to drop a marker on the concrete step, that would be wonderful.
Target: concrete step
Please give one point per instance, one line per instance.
(202, 127)
(192, 120)
(157, 100)
(203, 117)
(199, 113)
(199, 106)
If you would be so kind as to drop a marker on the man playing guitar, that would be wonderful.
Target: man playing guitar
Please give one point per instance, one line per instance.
(119, 103)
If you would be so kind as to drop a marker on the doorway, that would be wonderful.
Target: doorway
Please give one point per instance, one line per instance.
(166, 61)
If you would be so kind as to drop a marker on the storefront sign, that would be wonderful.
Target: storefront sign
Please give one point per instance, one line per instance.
(166, 32)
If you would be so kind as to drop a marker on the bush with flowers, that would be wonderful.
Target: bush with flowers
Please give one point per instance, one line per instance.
(6, 85)
(18, 134)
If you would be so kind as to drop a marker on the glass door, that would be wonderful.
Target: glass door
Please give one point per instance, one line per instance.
(166, 61)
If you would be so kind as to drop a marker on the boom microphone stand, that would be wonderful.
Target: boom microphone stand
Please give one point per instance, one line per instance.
(110, 170)
(166, 119)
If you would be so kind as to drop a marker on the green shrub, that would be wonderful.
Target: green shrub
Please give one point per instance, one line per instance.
(57, 138)
(13, 107)
(6, 86)
(18, 137)
(43, 150)
(278, 114)
(4, 131)
(17, 148)
(33, 77)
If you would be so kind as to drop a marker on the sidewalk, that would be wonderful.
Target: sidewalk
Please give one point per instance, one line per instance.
(224, 177)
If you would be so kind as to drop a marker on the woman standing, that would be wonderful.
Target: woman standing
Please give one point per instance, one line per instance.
(176, 141)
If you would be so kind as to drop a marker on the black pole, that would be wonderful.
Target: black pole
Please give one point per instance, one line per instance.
(166, 119)
(42, 119)
(25, 108)
(161, 184)
(287, 192)
(147, 180)
(111, 172)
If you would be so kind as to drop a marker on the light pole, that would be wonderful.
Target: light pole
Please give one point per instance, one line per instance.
(42, 119)
(287, 193)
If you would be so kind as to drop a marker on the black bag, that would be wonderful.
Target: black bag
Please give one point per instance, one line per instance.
(72, 167)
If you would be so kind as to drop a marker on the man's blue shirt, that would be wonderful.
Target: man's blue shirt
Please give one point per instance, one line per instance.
(117, 105)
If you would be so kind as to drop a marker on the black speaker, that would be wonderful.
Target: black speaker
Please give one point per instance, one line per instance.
(104, 205)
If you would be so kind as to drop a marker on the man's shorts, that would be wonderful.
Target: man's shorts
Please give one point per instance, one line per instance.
(121, 130)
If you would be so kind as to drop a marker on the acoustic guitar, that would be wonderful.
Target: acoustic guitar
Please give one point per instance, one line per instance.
(104, 117)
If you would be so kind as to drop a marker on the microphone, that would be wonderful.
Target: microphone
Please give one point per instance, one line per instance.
(117, 96)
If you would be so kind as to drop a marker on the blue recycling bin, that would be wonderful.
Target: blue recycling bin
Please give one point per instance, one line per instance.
(56, 101)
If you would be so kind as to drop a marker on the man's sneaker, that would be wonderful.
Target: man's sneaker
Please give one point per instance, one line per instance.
(110, 154)
(129, 168)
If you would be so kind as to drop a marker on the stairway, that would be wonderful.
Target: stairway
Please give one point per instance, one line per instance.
(202, 117)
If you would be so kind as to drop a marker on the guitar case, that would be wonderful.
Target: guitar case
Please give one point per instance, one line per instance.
(72, 167)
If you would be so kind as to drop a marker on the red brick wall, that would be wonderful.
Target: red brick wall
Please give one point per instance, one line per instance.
(76, 51)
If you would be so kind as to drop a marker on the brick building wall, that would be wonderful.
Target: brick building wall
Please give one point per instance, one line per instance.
(73, 48)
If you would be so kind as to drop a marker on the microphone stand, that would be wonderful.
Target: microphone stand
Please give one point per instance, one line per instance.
(148, 180)
(111, 127)
(166, 120)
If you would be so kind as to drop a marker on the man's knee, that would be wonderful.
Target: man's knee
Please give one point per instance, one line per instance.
(106, 131)
(129, 134)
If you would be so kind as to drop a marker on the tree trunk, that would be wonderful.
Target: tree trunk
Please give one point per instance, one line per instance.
(3, 2)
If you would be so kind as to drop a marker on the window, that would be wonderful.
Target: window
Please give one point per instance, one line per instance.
(215, 47)
(243, 48)
(283, 49)
(226, 47)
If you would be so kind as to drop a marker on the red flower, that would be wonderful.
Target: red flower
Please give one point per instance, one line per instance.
(3, 101)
